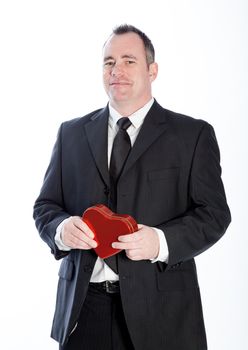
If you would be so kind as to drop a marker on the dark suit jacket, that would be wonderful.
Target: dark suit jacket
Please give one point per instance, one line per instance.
(172, 181)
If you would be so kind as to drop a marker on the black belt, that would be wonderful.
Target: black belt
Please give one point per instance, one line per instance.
(107, 286)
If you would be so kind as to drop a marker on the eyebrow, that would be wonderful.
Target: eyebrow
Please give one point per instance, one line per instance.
(123, 56)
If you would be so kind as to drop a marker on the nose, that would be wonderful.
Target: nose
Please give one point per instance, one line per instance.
(117, 70)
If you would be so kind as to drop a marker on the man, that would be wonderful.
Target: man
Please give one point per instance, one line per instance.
(148, 297)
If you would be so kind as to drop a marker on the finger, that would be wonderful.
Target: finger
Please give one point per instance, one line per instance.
(125, 245)
(82, 231)
(82, 226)
(133, 237)
(88, 241)
(78, 238)
(140, 226)
(77, 244)
(136, 258)
(84, 242)
(134, 254)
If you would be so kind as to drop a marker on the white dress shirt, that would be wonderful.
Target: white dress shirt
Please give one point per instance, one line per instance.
(102, 271)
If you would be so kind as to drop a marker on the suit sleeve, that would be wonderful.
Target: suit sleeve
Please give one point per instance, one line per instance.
(49, 207)
(208, 216)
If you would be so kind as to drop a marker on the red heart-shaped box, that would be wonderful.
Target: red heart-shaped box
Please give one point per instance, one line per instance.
(107, 227)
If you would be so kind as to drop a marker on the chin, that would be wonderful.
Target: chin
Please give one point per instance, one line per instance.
(119, 98)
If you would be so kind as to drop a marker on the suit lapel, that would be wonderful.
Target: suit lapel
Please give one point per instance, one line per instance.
(97, 134)
(154, 125)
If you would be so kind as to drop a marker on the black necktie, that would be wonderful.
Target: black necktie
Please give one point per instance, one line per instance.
(120, 150)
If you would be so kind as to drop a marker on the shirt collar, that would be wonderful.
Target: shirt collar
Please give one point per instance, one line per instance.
(136, 118)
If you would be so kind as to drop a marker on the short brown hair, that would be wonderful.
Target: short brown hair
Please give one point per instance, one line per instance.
(149, 48)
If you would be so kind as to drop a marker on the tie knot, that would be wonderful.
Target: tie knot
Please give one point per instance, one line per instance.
(124, 123)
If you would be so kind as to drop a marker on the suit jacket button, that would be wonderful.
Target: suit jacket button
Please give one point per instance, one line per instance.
(106, 191)
(87, 268)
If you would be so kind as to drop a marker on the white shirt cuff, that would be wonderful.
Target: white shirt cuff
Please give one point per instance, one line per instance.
(58, 239)
(163, 254)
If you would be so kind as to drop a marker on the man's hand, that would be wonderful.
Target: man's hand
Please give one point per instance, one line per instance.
(140, 245)
(77, 235)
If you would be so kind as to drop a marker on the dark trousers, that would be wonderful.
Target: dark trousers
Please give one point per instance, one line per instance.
(101, 325)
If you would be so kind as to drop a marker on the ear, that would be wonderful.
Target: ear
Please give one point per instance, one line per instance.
(153, 71)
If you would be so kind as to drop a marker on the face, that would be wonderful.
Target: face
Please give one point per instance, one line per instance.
(126, 76)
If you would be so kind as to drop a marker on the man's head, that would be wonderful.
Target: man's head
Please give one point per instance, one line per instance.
(149, 48)
(128, 68)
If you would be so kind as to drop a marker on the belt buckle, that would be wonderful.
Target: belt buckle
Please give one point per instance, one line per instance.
(108, 287)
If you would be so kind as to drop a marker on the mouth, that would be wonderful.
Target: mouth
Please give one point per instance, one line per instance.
(119, 83)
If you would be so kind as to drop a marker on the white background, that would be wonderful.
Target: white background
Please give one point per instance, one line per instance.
(50, 71)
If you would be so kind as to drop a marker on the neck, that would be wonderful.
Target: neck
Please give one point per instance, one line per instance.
(126, 109)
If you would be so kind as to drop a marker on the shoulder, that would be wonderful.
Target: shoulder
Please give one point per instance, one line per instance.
(182, 123)
(81, 121)
(74, 126)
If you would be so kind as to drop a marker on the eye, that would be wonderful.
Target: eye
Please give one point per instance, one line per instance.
(130, 62)
(108, 63)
